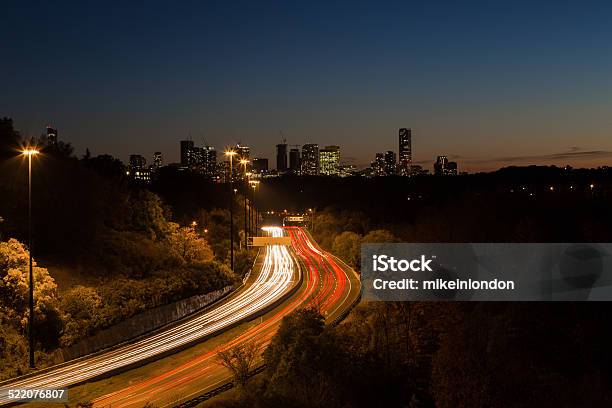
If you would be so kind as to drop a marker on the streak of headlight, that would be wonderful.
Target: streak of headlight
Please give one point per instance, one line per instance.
(276, 277)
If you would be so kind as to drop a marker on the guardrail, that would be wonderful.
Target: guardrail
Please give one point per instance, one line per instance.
(216, 391)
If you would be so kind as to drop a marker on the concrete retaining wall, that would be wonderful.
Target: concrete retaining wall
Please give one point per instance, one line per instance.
(142, 323)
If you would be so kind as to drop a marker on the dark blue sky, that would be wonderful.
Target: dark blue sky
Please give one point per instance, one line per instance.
(491, 83)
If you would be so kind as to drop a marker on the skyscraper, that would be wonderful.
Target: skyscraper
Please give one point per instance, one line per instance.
(310, 159)
(209, 162)
(378, 165)
(294, 161)
(186, 153)
(281, 157)
(405, 151)
(329, 161)
(390, 163)
(196, 159)
(51, 136)
(242, 152)
(158, 161)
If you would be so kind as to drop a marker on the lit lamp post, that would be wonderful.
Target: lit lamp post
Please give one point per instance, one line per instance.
(254, 184)
(311, 211)
(250, 206)
(244, 163)
(231, 154)
(29, 152)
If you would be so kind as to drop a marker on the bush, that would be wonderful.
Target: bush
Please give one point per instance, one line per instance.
(81, 306)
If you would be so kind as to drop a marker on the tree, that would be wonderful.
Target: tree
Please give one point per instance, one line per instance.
(13, 349)
(14, 293)
(216, 222)
(148, 214)
(10, 139)
(243, 261)
(81, 307)
(185, 242)
(348, 246)
(106, 166)
(379, 236)
(297, 327)
(303, 364)
(239, 359)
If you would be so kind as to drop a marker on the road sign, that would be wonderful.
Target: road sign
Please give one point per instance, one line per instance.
(295, 218)
(264, 241)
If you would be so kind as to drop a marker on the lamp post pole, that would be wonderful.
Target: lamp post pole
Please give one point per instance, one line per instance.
(245, 221)
(244, 163)
(31, 324)
(254, 210)
(254, 184)
(250, 215)
(231, 154)
(30, 152)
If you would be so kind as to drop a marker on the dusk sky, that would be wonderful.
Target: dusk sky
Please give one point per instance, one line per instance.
(487, 83)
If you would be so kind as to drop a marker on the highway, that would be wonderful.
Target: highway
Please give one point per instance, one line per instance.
(327, 284)
(277, 276)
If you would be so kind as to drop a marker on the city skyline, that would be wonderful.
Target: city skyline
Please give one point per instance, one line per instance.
(290, 204)
(119, 78)
(599, 158)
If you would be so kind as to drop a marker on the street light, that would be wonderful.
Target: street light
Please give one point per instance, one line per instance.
(312, 215)
(244, 163)
(29, 152)
(254, 184)
(249, 213)
(231, 154)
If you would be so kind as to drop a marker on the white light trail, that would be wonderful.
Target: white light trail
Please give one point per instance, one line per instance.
(278, 272)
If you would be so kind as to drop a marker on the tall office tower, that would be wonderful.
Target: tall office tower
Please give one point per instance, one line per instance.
(329, 161)
(224, 171)
(158, 161)
(196, 160)
(51, 136)
(440, 166)
(209, 162)
(390, 163)
(260, 165)
(310, 159)
(378, 165)
(186, 153)
(242, 152)
(405, 151)
(281, 157)
(294, 161)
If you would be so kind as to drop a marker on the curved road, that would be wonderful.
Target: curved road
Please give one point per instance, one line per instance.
(327, 284)
(276, 279)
